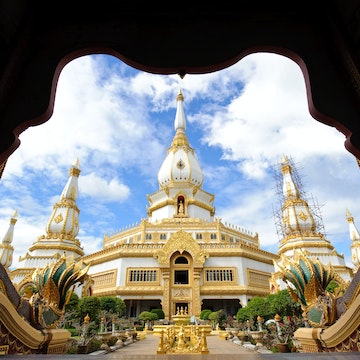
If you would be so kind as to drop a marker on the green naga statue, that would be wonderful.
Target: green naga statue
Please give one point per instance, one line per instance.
(51, 288)
(307, 280)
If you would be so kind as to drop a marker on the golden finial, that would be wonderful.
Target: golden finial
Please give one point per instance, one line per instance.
(349, 217)
(284, 159)
(86, 318)
(76, 163)
(180, 95)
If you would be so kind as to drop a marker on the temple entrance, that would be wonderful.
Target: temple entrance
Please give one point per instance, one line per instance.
(181, 284)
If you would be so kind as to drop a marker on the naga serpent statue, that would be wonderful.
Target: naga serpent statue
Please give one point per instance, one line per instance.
(333, 317)
(37, 313)
(307, 280)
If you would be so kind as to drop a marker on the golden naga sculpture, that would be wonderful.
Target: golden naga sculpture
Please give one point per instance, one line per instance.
(334, 318)
(30, 320)
(308, 280)
(54, 286)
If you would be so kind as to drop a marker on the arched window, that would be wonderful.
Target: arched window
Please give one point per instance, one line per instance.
(181, 260)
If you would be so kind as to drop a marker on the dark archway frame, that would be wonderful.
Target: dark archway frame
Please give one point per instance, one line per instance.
(41, 43)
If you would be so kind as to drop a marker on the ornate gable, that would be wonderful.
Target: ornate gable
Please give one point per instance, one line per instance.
(181, 241)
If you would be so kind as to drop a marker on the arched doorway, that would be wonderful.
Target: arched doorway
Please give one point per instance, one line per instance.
(181, 280)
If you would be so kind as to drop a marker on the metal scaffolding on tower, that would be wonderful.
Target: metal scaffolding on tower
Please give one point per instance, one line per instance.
(311, 201)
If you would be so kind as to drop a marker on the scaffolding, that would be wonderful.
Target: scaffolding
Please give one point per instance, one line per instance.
(311, 201)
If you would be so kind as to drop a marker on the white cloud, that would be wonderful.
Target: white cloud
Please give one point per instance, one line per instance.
(101, 190)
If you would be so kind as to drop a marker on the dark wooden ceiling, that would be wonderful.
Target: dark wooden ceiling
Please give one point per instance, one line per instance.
(38, 38)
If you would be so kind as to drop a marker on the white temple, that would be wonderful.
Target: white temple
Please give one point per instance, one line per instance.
(181, 255)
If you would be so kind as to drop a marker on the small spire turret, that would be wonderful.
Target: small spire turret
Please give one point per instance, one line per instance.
(6, 249)
(61, 230)
(296, 216)
(355, 237)
(290, 189)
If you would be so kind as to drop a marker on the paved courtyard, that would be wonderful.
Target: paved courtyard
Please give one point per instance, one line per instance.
(219, 349)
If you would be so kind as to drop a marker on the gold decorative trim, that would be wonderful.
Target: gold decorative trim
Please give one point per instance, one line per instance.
(104, 279)
(223, 282)
(334, 336)
(116, 248)
(136, 292)
(181, 241)
(3, 287)
(74, 172)
(4, 349)
(73, 248)
(28, 335)
(181, 293)
(258, 278)
(142, 283)
(233, 290)
(287, 244)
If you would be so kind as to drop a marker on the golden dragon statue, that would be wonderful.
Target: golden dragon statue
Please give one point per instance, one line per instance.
(333, 317)
(29, 321)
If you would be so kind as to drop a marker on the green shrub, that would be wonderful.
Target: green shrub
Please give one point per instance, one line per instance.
(204, 315)
(148, 316)
(73, 331)
(159, 312)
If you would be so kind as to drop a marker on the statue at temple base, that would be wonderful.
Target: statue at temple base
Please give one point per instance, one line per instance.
(29, 322)
(307, 281)
(333, 318)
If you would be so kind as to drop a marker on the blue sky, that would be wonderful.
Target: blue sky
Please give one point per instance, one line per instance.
(119, 123)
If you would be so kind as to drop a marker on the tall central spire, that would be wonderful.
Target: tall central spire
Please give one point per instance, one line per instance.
(180, 123)
(180, 138)
(180, 164)
(180, 179)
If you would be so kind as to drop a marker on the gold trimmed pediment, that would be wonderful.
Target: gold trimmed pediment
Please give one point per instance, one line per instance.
(179, 242)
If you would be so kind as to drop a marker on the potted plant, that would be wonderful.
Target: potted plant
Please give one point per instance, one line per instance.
(87, 335)
(280, 332)
(282, 343)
